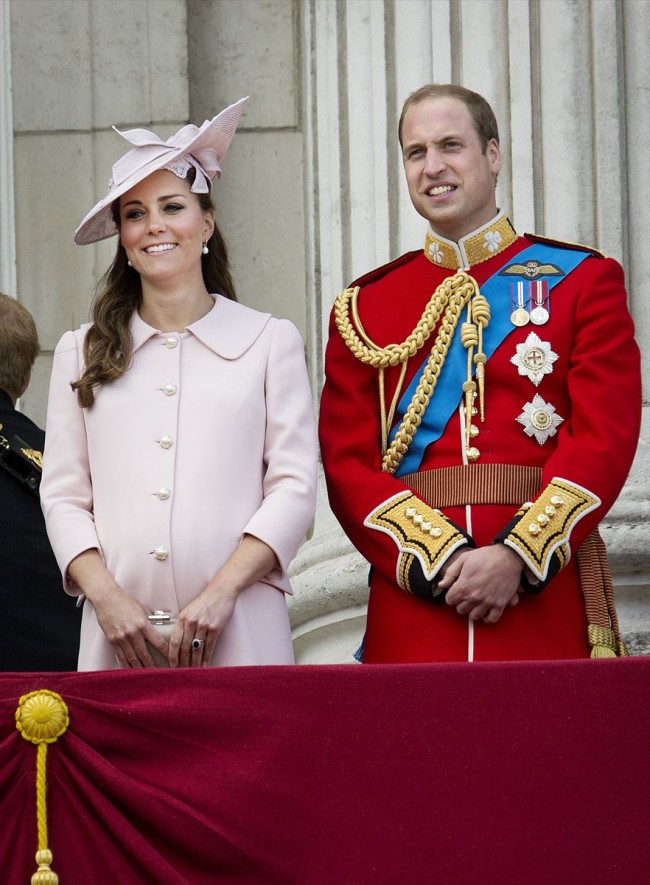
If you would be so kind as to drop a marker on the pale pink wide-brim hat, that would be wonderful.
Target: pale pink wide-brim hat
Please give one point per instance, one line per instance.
(201, 147)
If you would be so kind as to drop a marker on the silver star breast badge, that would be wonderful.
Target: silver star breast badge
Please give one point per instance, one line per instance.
(539, 419)
(534, 358)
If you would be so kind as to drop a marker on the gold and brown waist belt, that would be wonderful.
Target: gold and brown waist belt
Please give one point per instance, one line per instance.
(475, 484)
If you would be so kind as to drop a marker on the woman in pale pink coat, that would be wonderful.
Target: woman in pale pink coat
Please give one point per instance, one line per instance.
(180, 465)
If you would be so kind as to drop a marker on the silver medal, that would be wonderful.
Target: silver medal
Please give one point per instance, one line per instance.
(539, 316)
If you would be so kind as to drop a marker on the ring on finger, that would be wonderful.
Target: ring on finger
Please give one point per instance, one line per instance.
(197, 644)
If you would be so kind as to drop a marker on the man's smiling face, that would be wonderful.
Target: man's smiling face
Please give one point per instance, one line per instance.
(451, 180)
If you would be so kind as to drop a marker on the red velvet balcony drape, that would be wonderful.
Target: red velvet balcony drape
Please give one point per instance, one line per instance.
(455, 774)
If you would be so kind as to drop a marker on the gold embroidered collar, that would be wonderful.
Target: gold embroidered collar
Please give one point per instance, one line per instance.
(478, 246)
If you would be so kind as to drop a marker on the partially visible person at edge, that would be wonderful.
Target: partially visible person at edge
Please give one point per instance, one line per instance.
(180, 467)
(39, 627)
(480, 415)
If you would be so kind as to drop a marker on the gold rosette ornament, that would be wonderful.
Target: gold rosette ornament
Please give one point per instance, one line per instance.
(41, 718)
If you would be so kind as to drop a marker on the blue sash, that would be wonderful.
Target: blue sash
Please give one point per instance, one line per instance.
(453, 374)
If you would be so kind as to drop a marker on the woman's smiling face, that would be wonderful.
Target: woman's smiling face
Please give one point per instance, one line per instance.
(163, 227)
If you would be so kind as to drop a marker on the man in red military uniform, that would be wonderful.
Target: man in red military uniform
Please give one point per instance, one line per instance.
(480, 415)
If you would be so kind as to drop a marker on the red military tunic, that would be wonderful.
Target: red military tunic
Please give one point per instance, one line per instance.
(590, 394)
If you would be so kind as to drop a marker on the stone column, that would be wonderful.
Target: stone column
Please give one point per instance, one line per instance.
(252, 49)
(7, 233)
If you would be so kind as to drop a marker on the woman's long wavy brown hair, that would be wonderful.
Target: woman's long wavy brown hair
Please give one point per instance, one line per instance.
(108, 344)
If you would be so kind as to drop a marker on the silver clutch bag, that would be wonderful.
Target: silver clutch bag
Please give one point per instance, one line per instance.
(163, 622)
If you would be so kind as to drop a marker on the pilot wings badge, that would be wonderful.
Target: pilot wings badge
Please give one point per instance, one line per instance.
(532, 269)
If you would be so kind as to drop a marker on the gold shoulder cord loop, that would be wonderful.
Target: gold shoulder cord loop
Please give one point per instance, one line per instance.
(444, 307)
(386, 420)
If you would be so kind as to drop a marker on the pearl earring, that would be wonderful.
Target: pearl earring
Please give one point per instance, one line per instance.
(204, 249)
(128, 261)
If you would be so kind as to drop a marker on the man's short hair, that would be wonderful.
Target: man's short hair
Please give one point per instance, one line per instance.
(480, 111)
(19, 345)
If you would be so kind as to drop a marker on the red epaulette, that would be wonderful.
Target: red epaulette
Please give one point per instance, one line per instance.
(380, 272)
(565, 244)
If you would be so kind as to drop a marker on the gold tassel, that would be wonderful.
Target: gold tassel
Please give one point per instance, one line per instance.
(479, 361)
(469, 391)
(481, 315)
(41, 718)
(602, 641)
(469, 340)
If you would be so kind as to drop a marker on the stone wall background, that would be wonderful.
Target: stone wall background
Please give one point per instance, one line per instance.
(312, 192)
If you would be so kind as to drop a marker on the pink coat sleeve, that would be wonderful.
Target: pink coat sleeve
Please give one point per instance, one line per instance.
(66, 489)
(290, 449)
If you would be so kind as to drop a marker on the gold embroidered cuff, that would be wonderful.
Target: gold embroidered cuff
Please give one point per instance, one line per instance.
(418, 530)
(544, 528)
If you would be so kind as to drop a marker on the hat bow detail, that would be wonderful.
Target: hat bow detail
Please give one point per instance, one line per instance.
(151, 148)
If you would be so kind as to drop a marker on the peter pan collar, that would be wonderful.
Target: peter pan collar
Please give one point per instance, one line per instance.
(229, 329)
(479, 245)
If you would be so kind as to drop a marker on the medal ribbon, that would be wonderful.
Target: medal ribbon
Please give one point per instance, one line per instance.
(454, 372)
